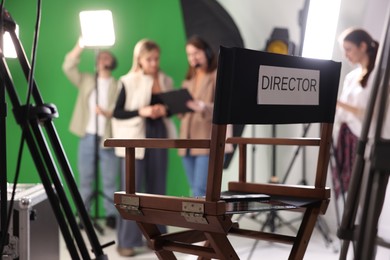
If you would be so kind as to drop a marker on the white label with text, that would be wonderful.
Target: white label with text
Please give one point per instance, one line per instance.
(288, 86)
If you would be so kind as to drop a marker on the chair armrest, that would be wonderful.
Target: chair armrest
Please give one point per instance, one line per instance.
(131, 144)
(275, 141)
(158, 143)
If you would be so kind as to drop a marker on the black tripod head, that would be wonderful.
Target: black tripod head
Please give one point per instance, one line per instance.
(8, 22)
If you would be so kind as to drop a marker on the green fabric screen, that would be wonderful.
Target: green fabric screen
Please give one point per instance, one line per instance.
(59, 31)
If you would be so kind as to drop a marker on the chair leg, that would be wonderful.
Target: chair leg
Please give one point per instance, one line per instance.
(206, 244)
(221, 245)
(150, 231)
(305, 231)
(165, 255)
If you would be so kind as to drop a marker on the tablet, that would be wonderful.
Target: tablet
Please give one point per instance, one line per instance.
(176, 100)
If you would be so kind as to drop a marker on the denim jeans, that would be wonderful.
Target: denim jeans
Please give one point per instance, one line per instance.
(196, 167)
(109, 172)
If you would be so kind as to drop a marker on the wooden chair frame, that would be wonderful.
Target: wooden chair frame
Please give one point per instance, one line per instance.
(206, 219)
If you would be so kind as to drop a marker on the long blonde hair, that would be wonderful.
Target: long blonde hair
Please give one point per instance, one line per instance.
(142, 47)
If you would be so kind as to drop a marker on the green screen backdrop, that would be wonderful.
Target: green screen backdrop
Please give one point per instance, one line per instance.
(59, 30)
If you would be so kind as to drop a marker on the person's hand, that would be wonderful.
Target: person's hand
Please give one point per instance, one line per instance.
(103, 112)
(80, 43)
(196, 105)
(77, 49)
(351, 109)
(159, 110)
(146, 111)
(153, 112)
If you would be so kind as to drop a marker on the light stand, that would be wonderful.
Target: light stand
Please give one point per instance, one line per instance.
(97, 30)
(9, 52)
(31, 118)
(95, 195)
(3, 157)
(280, 43)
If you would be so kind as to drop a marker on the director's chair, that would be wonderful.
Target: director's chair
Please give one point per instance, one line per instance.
(252, 87)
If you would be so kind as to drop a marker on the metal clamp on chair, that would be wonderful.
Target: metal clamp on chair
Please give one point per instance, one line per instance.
(253, 87)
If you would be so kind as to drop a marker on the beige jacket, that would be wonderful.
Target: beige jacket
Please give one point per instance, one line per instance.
(138, 87)
(197, 125)
(85, 82)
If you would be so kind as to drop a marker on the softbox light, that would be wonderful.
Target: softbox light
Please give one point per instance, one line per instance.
(97, 28)
(319, 36)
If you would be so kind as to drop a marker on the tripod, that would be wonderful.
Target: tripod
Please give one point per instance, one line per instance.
(321, 224)
(370, 173)
(273, 220)
(31, 118)
(273, 216)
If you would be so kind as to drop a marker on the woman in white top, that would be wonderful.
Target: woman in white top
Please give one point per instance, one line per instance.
(360, 49)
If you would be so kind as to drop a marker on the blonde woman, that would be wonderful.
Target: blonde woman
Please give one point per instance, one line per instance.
(138, 114)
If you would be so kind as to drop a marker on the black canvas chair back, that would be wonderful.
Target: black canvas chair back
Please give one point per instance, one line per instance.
(253, 87)
(256, 87)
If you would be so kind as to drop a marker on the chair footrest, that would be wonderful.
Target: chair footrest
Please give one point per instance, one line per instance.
(189, 249)
(272, 237)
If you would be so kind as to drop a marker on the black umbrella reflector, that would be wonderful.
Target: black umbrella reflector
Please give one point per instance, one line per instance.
(209, 20)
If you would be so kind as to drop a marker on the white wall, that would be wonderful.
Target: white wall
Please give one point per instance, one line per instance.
(256, 19)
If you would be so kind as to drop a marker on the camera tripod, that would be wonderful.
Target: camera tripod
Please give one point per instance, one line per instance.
(31, 118)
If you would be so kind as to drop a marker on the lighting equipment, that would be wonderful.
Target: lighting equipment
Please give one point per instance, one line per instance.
(279, 42)
(97, 28)
(9, 48)
(97, 31)
(318, 41)
(34, 118)
(319, 35)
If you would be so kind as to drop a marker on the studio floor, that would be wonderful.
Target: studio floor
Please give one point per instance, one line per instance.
(322, 246)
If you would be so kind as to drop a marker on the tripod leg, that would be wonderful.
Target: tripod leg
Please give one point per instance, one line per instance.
(61, 157)
(344, 250)
(371, 212)
(323, 227)
(253, 249)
